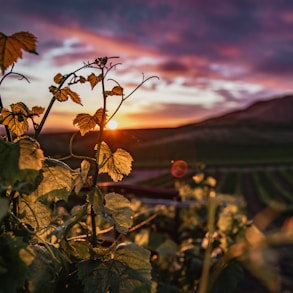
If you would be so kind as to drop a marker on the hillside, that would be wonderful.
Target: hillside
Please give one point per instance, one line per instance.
(276, 110)
(262, 131)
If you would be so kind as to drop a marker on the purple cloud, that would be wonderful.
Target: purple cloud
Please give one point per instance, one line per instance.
(205, 43)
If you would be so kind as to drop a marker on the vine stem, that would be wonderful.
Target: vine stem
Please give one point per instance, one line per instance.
(96, 173)
(212, 203)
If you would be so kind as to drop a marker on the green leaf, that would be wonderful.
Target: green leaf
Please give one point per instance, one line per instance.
(37, 215)
(14, 262)
(41, 275)
(57, 183)
(76, 250)
(129, 271)
(81, 177)
(119, 211)
(228, 279)
(21, 163)
(4, 206)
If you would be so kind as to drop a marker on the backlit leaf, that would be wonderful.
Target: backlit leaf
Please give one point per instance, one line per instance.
(16, 119)
(85, 122)
(116, 164)
(11, 47)
(118, 207)
(116, 91)
(56, 184)
(16, 123)
(73, 95)
(81, 176)
(98, 116)
(37, 214)
(37, 110)
(30, 154)
(94, 80)
(58, 78)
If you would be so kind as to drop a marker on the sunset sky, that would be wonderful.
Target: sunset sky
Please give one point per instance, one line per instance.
(211, 56)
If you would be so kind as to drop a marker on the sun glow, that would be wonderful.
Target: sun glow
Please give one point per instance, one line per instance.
(113, 124)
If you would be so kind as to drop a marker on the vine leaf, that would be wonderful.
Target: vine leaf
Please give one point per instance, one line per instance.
(87, 122)
(56, 184)
(16, 123)
(118, 207)
(62, 95)
(81, 176)
(115, 164)
(116, 91)
(11, 47)
(4, 206)
(58, 78)
(21, 164)
(16, 256)
(94, 80)
(17, 119)
(129, 270)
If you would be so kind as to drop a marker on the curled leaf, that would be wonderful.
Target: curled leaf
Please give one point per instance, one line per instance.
(37, 110)
(116, 91)
(58, 78)
(94, 80)
(11, 47)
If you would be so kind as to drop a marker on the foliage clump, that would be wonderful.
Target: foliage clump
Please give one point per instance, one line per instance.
(47, 245)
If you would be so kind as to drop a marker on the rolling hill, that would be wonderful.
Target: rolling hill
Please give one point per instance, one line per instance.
(261, 132)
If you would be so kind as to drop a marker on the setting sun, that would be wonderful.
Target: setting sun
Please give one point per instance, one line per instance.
(113, 124)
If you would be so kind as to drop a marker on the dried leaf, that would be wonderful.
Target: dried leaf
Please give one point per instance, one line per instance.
(19, 108)
(73, 95)
(60, 95)
(11, 47)
(58, 78)
(116, 91)
(94, 80)
(37, 110)
(116, 165)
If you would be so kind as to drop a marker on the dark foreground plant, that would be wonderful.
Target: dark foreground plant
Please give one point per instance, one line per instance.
(45, 246)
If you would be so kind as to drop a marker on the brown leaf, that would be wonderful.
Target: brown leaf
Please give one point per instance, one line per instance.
(11, 47)
(37, 110)
(116, 91)
(20, 108)
(94, 80)
(58, 78)
(85, 122)
(73, 96)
